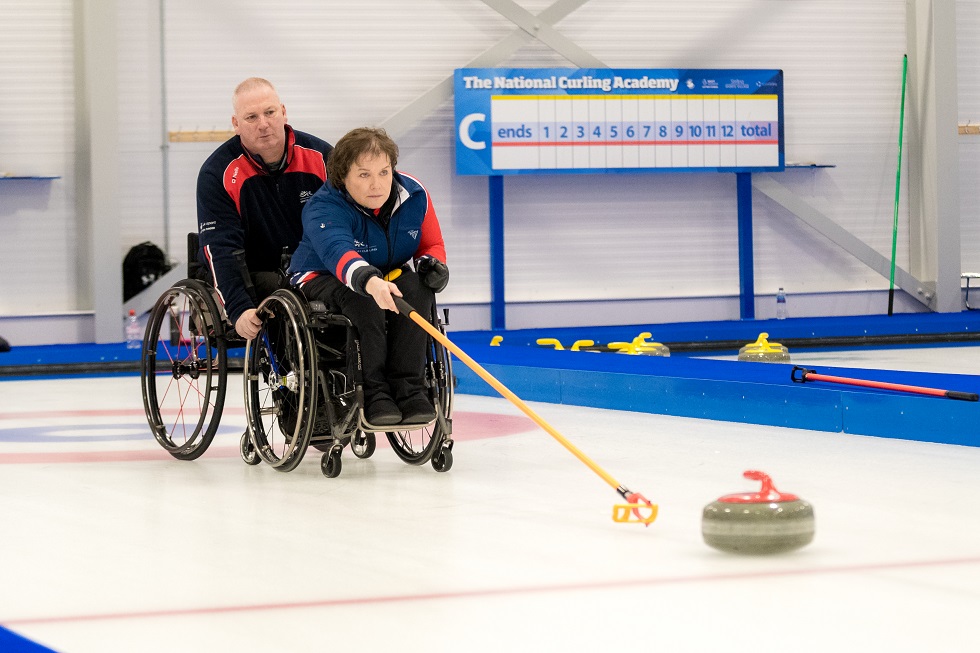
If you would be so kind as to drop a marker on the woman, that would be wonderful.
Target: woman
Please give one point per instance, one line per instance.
(366, 221)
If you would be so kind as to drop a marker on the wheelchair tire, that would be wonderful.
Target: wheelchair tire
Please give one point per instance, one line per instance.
(247, 450)
(280, 381)
(442, 460)
(419, 446)
(363, 444)
(416, 447)
(331, 463)
(184, 374)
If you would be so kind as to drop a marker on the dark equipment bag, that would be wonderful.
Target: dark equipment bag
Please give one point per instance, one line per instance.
(144, 264)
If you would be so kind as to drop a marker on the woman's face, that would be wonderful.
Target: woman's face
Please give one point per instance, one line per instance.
(369, 180)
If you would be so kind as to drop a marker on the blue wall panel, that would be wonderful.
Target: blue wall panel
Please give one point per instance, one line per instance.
(755, 393)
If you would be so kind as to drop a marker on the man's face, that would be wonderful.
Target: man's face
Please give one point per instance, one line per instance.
(369, 180)
(260, 120)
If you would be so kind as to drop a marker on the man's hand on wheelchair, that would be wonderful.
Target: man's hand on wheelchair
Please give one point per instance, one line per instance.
(248, 324)
(433, 272)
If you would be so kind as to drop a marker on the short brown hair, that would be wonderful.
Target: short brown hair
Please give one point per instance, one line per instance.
(353, 144)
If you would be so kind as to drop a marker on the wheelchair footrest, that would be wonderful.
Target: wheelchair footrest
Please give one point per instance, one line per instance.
(401, 426)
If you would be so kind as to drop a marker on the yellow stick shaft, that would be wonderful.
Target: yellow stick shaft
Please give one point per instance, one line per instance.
(507, 394)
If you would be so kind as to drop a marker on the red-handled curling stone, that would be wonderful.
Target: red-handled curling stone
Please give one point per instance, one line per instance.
(768, 521)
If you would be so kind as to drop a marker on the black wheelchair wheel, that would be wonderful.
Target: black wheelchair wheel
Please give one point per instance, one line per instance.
(363, 444)
(416, 447)
(247, 450)
(184, 369)
(442, 460)
(331, 464)
(280, 377)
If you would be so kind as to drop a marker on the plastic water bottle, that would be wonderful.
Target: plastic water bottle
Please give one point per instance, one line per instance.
(134, 334)
(781, 304)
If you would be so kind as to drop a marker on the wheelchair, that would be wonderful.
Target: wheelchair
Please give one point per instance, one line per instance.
(302, 382)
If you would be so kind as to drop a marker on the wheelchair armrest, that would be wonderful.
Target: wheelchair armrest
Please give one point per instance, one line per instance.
(333, 319)
(319, 312)
(336, 319)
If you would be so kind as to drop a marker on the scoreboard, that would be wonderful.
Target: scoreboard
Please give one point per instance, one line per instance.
(561, 120)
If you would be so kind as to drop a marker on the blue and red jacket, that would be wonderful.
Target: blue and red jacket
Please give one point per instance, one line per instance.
(348, 241)
(244, 207)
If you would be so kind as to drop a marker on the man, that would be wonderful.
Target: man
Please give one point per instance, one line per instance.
(250, 197)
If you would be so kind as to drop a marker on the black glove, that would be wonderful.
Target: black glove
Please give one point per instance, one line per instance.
(433, 273)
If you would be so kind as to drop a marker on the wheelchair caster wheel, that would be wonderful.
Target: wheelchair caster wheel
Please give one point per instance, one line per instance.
(330, 463)
(442, 460)
(363, 444)
(249, 454)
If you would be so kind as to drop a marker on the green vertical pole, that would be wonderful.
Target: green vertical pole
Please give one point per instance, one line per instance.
(898, 183)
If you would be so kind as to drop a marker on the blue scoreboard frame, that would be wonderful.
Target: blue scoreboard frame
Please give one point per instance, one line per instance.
(578, 120)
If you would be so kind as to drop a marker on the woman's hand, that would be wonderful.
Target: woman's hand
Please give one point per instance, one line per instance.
(433, 273)
(382, 291)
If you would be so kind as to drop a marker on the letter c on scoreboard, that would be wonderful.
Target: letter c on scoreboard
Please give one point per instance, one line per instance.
(464, 131)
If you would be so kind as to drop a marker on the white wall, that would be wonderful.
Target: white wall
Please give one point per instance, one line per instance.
(968, 73)
(581, 249)
(38, 227)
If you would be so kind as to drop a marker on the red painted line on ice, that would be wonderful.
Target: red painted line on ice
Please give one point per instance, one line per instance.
(501, 591)
(27, 458)
(88, 412)
(466, 426)
(92, 412)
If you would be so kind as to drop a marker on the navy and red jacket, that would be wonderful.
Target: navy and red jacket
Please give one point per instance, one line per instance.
(348, 241)
(243, 207)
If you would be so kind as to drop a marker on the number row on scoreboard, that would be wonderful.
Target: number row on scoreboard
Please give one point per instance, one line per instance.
(643, 118)
(524, 132)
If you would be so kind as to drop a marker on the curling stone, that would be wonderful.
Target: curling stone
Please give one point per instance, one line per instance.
(550, 342)
(641, 346)
(768, 521)
(763, 351)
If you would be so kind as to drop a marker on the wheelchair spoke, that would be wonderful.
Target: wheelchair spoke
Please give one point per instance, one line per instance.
(179, 417)
(416, 446)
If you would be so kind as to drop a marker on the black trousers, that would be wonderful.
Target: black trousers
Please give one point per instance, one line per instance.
(392, 346)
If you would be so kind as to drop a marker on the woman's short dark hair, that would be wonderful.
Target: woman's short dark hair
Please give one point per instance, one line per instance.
(353, 144)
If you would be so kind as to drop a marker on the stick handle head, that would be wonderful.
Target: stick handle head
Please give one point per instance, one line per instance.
(639, 510)
(962, 396)
(798, 374)
(404, 308)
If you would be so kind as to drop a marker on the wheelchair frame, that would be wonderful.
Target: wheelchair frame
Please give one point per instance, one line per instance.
(302, 383)
(303, 388)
